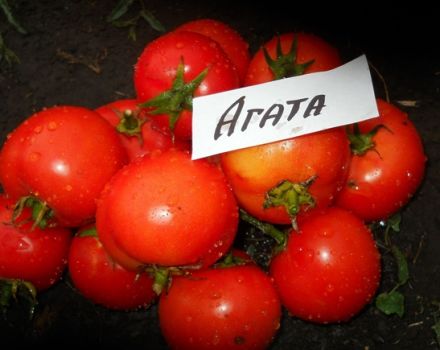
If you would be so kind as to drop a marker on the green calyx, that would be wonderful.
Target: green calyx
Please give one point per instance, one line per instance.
(361, 143)
(41, 215)
(292, 196)
(178, 98)
(130, 123)
(284, 65)
(162, 275)
(17, 290)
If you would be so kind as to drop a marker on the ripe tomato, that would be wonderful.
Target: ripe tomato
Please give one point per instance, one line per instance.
(177, 63)
(384, 178)
(102, 280)
(138, 132)
(223, 308)
(63, 156)
(31, 254)
(168, 210)
(313, 54)
(330, 269)
(320, 157)
(231, 41)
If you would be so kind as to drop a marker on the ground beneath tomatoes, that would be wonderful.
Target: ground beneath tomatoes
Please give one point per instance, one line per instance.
(71, 55)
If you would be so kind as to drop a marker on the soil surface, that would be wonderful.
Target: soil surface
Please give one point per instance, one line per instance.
(397, 43)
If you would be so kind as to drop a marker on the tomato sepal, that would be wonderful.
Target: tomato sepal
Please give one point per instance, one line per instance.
(176, 99)
(17, 290)
(42, 214)
(285, 65)
(292, 196)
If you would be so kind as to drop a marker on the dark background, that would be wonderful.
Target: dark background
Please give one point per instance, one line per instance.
(400, 42)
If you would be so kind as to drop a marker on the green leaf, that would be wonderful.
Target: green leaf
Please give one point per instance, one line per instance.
(11, 19)
(402, 265)
(436, 328)
(152, 21)
(391, 303)
(119, 10)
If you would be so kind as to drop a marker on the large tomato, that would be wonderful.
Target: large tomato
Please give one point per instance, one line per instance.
(63, 156)
(275, 182)
(330, 269)
(312, 54)
(138, 132)
(168, 210)
(385, 174)
(174, 68)
(230, 40)
(29, 253)
(102, 280)
(223, 308)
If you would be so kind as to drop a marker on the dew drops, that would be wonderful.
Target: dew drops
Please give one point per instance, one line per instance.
(38, 129)
(52, 126)
(34, 156)
(68, 188)
(180, 45)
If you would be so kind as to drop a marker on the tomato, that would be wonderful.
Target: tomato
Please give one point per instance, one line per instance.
(63, 156)
(386, 176)
(182, 64)
(102, 280)
(313, 54)
(168, 210)
(31, 254)
(230, 40)
(315, 164)
(330, 269)
(223, 308)
(138, 132)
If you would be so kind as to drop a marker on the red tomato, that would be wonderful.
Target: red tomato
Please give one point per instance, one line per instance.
(157, 68)
(311, 48)
(330, 269)
(139, 134)
(231, 41)
(166, 209)
(254, 171)
(30, 254)
(63, 156)
(384, 179)
(99, 278)
(226, 308)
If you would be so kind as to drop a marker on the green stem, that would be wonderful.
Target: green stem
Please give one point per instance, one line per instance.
(279, 236)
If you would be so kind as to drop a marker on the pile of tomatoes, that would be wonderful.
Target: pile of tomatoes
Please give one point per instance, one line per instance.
(113, 195)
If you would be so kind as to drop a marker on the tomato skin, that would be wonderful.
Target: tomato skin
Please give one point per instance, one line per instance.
(380, 182)
(255, 170)
(156, 69)
(330, 269)
(310, 47)
(227, 308)
(64, 156)
(152, 136)
(34, 255)
(230, 40)
(100, 279)
(168, 210)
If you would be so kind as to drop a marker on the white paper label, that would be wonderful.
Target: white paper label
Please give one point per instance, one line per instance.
(282, 109)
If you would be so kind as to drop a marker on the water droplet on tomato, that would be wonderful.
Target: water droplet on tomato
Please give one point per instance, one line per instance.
(38, 129)
(52, 126)
(68, 188)
(34, 156)
(180, 45)
(216, 295)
